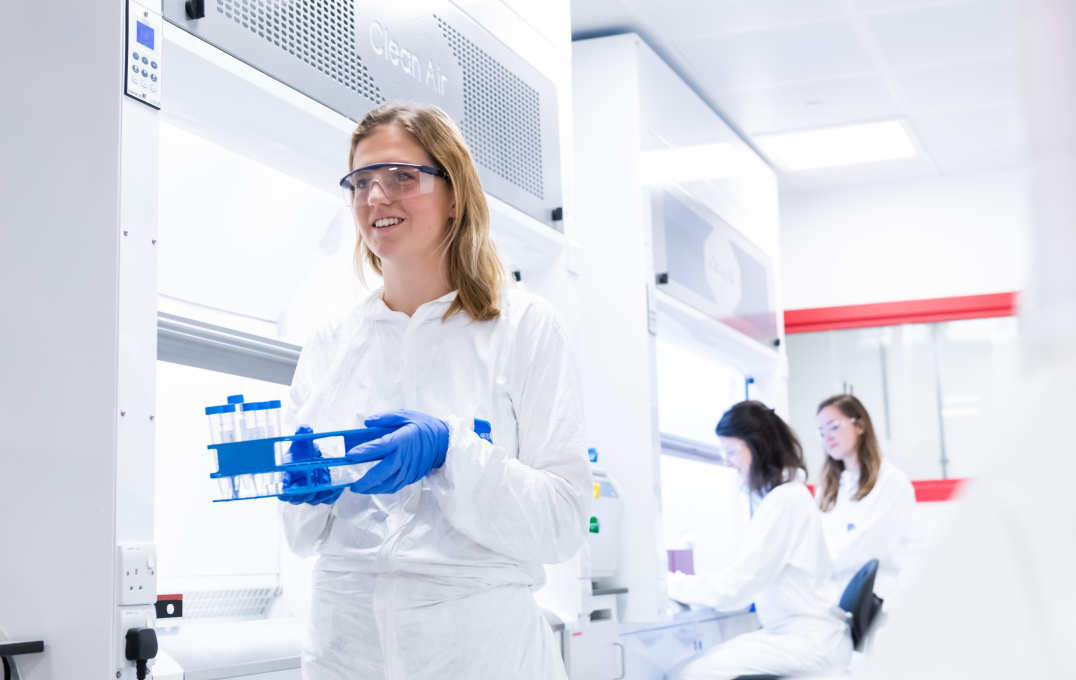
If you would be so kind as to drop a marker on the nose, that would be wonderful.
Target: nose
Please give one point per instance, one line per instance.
(380, 196)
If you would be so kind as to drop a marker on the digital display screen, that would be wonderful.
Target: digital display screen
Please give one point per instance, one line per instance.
(144, 35)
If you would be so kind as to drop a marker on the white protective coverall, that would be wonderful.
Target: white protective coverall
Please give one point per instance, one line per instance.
(436, 580)
(879, 525)
(783, 569)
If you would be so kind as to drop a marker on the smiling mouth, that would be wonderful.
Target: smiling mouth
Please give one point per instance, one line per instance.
(386, 222)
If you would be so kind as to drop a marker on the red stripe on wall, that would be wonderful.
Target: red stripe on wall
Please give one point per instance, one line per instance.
(906, 311)
(934, 490)
(929, 490)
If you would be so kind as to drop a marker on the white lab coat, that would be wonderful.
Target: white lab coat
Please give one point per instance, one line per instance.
(783, 569)
(436, 580)
(879, 525)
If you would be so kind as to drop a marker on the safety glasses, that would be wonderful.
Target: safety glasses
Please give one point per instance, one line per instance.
(395, 180)
(832, 426)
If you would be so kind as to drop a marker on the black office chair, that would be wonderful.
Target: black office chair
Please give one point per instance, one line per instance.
(861, 605)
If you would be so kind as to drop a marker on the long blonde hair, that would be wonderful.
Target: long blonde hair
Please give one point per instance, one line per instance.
(868, 453)
(473, 268)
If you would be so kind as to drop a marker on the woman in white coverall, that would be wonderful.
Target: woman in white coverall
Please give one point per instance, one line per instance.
(783, 568)
(867, 503)
(426, 565)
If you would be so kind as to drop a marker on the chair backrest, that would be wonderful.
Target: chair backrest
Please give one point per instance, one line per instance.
(860, 601)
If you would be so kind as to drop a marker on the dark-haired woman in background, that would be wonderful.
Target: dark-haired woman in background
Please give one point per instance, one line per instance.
(867, 503)
(783, 568)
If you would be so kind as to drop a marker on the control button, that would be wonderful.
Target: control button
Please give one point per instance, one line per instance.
(145, 73)
(135, 55)
(153, 77)
(135, 68)
(594, 526)
(153, 64)
(597, 490)
(145, 60)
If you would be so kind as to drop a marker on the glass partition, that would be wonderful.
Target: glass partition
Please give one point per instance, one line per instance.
(702, 507)
(247, 245)
(694, 389)
(206, 550)
(703, 510)
(931, 389)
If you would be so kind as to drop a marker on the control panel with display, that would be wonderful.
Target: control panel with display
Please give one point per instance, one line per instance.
(144, 40)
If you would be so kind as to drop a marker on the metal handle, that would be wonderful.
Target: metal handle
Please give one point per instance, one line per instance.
(11, 649)
(27, 647)
(623, 662)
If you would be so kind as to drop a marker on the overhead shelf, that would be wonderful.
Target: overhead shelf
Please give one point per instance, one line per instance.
(193, 342)
(690, 448)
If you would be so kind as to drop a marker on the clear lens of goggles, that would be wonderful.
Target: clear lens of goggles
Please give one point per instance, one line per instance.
(394, 181)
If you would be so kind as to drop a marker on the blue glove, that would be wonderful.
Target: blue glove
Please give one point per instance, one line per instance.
(306, 449)
(417, 444)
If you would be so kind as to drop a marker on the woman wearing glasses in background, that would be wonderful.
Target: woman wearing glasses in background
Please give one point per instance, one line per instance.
(866, 501)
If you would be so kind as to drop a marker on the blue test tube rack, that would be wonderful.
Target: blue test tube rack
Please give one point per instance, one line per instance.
(259, 457)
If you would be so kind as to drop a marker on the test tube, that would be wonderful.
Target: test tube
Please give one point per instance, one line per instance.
(262, 421)
(272, 414)
(254, 420)
(215, 416)
(243, 485)
(221, 431)
(226, 488)
(227, 424)
(236, 401)
(269, 483)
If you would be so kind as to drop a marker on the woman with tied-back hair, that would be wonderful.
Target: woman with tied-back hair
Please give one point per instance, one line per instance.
(866, 501)
(783, 568)
(427, 564)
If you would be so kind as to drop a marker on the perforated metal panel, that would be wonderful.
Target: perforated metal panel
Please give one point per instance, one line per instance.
(320, 34)
(353, 54)
(502, 114)
(228, 602)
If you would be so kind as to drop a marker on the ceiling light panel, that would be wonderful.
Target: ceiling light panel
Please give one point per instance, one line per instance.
(838, 146)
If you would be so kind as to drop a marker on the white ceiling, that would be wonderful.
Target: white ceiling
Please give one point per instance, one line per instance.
(949, 68)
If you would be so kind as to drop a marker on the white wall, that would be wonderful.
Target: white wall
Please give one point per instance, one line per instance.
(59, 269)
(935, 237)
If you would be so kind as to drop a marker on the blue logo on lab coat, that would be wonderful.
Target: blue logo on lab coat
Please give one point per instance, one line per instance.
(850, 527)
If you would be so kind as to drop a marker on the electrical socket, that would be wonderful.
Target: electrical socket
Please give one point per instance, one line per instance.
(137, 573)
